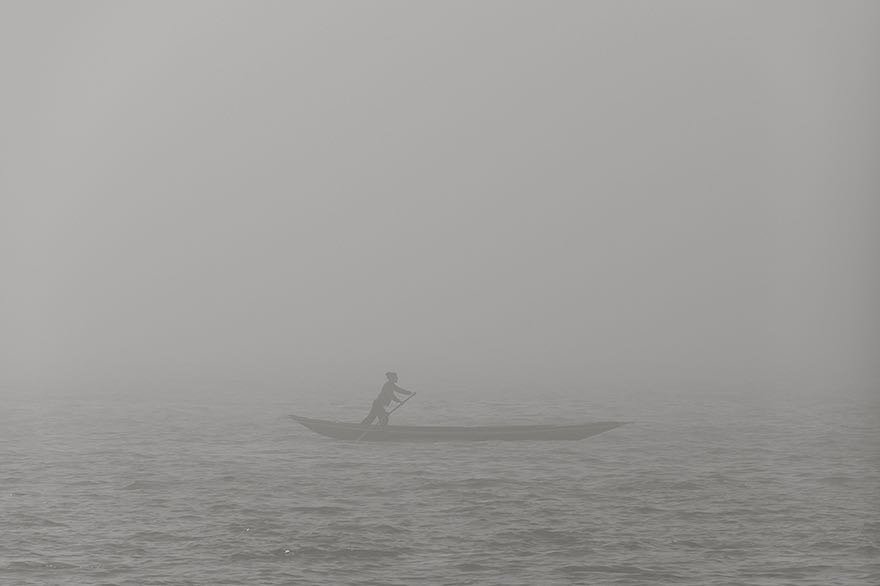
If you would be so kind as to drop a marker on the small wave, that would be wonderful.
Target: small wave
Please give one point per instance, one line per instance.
(348, 552)
(320, 509)
(470, 483)
(35, 565)
(86, 482)
(158, 536)
(318, 553)
(143, 485)
(384, 529)
(578, 569)
(472, 567)
(836, 480)
(645, 509)
(826, 545)
(343, 465)
(692, 515)
(35, 521)
(789, 572)
(575, 570)
(554, 536)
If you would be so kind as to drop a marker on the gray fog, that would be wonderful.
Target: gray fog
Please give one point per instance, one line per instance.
(589, 195)
(434, 233)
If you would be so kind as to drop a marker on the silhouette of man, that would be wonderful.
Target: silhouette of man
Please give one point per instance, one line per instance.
(384, 398)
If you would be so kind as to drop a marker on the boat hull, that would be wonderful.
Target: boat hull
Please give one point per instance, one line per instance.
(410, 433)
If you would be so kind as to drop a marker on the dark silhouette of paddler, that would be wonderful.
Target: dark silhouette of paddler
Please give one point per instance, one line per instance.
(383, 399)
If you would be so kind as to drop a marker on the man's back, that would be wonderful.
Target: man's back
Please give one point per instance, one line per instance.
(386, 395)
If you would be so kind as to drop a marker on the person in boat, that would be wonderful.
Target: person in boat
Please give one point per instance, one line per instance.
(386, 395)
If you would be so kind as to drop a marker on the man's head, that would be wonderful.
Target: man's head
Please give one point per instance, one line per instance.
(392, 376)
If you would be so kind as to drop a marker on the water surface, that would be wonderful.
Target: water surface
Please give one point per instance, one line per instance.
(701, 490)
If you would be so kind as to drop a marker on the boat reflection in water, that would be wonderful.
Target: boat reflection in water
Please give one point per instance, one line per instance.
(429, 433)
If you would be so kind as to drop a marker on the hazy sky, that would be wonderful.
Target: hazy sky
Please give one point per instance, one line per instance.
(612, 193)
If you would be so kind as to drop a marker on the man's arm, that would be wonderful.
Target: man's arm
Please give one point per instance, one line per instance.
(400, 390)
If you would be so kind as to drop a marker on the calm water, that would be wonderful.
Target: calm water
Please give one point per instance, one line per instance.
(702, 490)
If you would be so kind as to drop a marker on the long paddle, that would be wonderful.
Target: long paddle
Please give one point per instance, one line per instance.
(398, 406)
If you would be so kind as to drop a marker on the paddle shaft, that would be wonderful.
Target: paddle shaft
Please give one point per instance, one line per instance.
(398, 406)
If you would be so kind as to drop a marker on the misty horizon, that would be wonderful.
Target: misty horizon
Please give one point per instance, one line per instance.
(588, 194)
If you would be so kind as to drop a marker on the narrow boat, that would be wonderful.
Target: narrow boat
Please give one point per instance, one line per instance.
(431, 433)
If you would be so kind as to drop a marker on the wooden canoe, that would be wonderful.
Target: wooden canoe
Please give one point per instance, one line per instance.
(431, 433)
